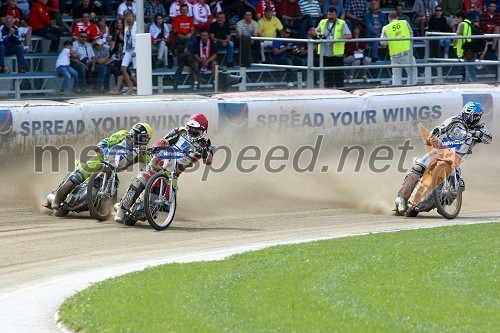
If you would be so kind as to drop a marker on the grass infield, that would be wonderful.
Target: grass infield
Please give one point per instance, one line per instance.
(428, 280)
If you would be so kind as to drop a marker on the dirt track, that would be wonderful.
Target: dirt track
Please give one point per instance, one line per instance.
(229, 210)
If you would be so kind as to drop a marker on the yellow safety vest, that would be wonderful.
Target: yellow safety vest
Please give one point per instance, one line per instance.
(466, 32)
(338, 48)
(398, 29)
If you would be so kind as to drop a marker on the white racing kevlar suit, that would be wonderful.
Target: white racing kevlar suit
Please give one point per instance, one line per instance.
(193, 150)
(479, 132)
(119, 146)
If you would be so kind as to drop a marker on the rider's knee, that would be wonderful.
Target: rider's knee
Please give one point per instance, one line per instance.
(77, 177)
(418, 169)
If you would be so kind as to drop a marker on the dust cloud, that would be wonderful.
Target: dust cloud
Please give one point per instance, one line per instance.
(325, 179)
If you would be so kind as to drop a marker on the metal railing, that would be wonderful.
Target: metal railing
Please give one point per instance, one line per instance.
(428, 64)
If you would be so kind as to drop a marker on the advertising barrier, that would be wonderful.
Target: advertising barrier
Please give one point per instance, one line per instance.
(361, 115)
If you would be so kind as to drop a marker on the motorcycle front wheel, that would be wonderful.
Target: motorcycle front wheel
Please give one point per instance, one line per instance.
(100, 205)
(447, 203)
(159, 201)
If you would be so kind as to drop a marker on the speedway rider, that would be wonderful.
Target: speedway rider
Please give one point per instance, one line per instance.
(471, 115)
(198, 146)
(131, 146)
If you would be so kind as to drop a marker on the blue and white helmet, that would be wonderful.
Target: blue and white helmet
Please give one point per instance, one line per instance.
(472, 113)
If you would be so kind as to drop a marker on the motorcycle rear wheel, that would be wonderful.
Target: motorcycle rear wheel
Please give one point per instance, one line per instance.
(160, 211)
(100, 206)
(447, 206)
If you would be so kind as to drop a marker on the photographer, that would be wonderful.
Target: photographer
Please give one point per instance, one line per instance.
(286, 53)
(333, 28)
(85, 64)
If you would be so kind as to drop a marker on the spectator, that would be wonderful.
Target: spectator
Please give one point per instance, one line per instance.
(175, 9)
(261, 8)
(129, 55)
(23, 6)
(104, 59)
(116, 54)
(450, 7)
(85, 64)
(355, 12)
(333, 28)
(64, 69)
(465, 29)
(374, 20)
(423, 10)
(291, 15)
(490, 20)
(205, 54)
(400, 50)
(127, 5)
(473, 9)
(269, 26)
(311, 12)
(247, 5)
(248, 27)
(286, 53)
(160, 36)
(151, 9)
(184, 58)
(11, 43)
(439, 24)
(355, 54)
(202, 16)
(183, 27)
(84, 7)
(103, 28)
(304, 47)
(40, 22)
(87, 26)
(25, 31)
(400, 9)
(339, 4)
(220, 34)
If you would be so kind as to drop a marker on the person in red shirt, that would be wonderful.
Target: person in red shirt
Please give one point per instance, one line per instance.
(39, 20)
(183, 26)
(86, 25)
(11, 9)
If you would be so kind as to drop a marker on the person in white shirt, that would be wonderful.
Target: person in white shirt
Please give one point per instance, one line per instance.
(202, 16)
(160, 34)
(129, 55)
(124, 6)
(64, 69)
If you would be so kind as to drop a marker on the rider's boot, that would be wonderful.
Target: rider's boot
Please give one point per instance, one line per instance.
(404, 193)
(135, 189)
(62, 193)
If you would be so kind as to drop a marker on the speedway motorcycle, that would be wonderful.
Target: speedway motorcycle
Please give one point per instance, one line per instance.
(442, 185)
(158, 202)
(100, 190)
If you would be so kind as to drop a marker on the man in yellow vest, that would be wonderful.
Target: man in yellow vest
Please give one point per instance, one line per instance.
(465, 29)
(401, 51)
(333, 28)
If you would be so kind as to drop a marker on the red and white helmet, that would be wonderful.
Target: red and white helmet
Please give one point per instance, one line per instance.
(197, 126)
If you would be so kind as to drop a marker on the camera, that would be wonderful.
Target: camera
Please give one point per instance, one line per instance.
(87, 62)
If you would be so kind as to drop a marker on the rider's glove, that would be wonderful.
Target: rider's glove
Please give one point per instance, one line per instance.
(98, 149)
(477, 134)
(203, 152)
(435, 132)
